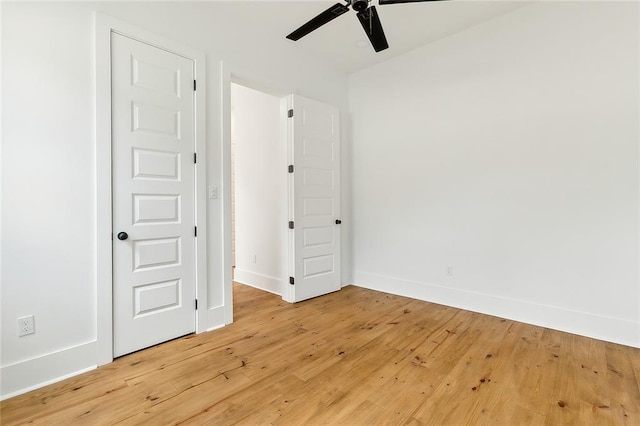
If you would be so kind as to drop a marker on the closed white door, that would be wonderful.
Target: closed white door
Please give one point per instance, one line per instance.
(314, 193)
(153, 145)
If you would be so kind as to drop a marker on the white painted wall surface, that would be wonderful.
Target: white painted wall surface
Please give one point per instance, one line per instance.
(48, 217)
(510, 153)
(260, 188)
(48, 163)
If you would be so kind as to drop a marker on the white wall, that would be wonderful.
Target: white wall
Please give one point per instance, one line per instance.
(260, 171)
(48, 163)
(510, 153)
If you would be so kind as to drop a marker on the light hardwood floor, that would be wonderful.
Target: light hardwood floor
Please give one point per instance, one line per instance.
(355, 357)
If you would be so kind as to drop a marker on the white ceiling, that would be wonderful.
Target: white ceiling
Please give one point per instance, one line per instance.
(343, 43)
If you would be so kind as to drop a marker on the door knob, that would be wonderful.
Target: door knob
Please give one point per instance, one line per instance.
(338, 221)
(123, 236)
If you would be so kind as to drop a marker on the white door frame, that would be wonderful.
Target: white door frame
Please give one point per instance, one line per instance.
(104, 26)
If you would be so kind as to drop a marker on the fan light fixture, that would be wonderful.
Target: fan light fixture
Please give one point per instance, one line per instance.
(367, 15)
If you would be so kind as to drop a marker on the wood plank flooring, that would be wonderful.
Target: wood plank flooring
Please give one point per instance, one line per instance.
(355, 357)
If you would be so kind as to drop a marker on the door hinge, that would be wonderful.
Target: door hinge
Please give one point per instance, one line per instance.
(194, 85)
(290, 168)
(195, 158)
(290, 113)
(290, 224)
(196, 304)
(292, 281)
(195, 231)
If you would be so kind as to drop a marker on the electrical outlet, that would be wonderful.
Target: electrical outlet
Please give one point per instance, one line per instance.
(449, 271)
(26, 326)
(254, 258)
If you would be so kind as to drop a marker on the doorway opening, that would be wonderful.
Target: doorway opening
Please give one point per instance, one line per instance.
(258, 189)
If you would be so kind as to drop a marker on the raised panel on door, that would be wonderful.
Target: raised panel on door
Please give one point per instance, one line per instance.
(314, 143)
(153, 195)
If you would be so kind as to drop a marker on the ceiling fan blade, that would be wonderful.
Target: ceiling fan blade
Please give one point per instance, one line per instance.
(383, 2)
(328, 15)
(372, 26)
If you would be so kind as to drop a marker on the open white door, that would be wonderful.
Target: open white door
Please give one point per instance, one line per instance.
(314, 199)
(153, 131)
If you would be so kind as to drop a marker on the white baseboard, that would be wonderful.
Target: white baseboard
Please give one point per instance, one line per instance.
(215, 318)
(24, 376)
(34, 373)
(259, 281)
(599, 327)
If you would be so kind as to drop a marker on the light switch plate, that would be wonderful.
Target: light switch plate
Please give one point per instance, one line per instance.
(213, 192)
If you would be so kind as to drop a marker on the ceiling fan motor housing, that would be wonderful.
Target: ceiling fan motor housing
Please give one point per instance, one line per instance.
(359, 5)
(367, 15)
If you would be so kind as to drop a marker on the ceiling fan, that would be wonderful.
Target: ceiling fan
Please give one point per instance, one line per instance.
(367, 15)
